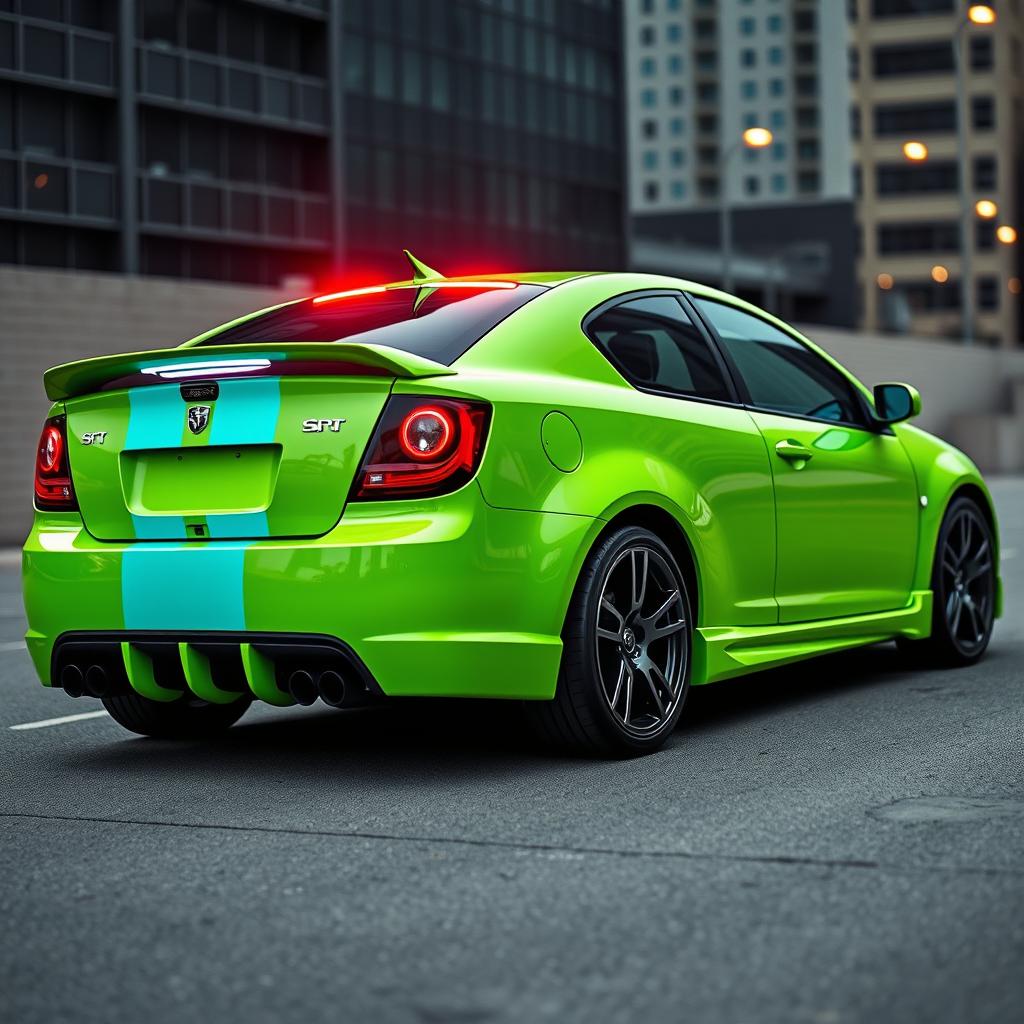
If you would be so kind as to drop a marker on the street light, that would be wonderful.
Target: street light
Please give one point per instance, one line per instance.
(985, 209)
(752, 138)
(977, 14)
(940, 275)
(1006, 234)
(916, 151)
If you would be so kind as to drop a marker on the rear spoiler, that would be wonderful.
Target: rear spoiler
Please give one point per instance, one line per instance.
(213, 362)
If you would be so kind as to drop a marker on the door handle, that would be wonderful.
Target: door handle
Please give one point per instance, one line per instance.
(793, 451)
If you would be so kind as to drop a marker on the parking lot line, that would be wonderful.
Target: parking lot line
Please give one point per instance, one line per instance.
(59, 721)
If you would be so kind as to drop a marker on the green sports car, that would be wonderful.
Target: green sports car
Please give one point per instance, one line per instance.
(585, 492)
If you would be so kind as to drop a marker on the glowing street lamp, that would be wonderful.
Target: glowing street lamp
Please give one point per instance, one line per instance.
(752, 138)
(985, 209)
(915, 151)
(1006, 234)
(981, 14)
(940, 275)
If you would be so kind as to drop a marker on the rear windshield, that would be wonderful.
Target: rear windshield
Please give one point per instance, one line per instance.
(438, 323)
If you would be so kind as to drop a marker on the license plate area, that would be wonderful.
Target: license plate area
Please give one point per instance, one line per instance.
(197, 481)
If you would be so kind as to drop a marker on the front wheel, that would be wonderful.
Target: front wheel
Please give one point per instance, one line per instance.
(184, 719)
(626, 659)
(963, 588)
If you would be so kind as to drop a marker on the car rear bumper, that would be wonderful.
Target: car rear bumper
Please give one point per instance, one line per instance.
(438, 597)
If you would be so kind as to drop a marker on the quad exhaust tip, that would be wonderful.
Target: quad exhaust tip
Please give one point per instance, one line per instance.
(97, 682)
(72, 680)
(332, 689)
(302, 687)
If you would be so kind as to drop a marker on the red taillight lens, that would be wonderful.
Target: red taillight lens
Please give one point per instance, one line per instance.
(53, 489)
(422, 447)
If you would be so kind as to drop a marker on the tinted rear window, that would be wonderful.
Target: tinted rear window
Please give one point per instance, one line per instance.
(444, 324)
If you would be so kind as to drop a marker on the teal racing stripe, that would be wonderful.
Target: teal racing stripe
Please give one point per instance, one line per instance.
(156, 420)
(247, 413)
(183, 586)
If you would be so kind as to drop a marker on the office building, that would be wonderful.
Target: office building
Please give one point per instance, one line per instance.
(251, 141)
(699, 74)
(909, 211)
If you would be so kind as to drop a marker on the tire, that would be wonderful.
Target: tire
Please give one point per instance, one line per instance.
(963, 585)
(184, 719)
(625, 668)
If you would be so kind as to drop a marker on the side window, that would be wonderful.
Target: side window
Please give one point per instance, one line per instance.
(654, 344)
(781, 374)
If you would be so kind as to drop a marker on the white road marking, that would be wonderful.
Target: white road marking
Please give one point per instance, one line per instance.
(59, 721)
(12, 645)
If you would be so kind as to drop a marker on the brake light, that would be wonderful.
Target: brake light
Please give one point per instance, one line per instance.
(53, 488)
(422, 447)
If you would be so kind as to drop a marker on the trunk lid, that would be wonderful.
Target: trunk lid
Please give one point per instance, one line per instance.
(159, 453)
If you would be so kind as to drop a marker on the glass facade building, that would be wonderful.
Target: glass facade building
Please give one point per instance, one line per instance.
(250, 140)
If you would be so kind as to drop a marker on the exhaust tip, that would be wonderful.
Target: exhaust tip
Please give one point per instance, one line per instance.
(97, 683)
(72, 680)
(332, 689)
(302, 687)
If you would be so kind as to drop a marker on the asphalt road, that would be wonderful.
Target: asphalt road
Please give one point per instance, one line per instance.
(841, 841)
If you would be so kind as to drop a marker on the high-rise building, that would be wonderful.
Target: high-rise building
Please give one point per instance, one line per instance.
(909, 212)
(699, 74)
(249, 140)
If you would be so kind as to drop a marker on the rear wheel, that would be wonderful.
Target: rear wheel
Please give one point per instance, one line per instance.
(963, 585)
(626, 659)
(184, 719)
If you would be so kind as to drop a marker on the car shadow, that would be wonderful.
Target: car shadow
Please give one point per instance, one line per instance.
(412, 738)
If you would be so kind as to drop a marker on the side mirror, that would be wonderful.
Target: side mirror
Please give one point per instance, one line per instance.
(896, 402)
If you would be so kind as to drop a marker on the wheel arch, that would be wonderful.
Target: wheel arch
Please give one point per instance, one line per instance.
(667, 528)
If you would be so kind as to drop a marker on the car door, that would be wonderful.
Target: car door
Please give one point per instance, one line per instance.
(686, 413)
(845, 492)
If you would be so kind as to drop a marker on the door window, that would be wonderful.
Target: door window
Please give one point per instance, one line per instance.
(780, 373)
(655, 345)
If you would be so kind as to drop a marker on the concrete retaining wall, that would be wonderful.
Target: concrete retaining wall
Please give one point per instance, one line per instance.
(49, 317)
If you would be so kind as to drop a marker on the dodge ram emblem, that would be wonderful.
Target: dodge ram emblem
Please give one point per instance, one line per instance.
(198, 417)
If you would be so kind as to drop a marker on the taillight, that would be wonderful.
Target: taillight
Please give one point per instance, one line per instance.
(54, 491)
(422, 447)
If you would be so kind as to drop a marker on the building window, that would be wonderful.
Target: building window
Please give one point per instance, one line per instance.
(752, 186)
(649, 98)
(778, 183)
(808, 182)
(777, 86)
(677, 157)
(650, 159)
(650, 129)
(988, 293)
(748, 58)
(919, 237)
(983, 112)
(748, 89)
(913, 59)
(908, 119)
(985, 173)
(776, 55)
(982, 53)
(748, 26)
(675, 64)
(676, 126)
(778, 118)
(647, 36)
(674, 33)
(897, 179)
(678, 190)
(647, 66)
(775, 23)
(651, 191)
(675, 95)
(909, 8)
